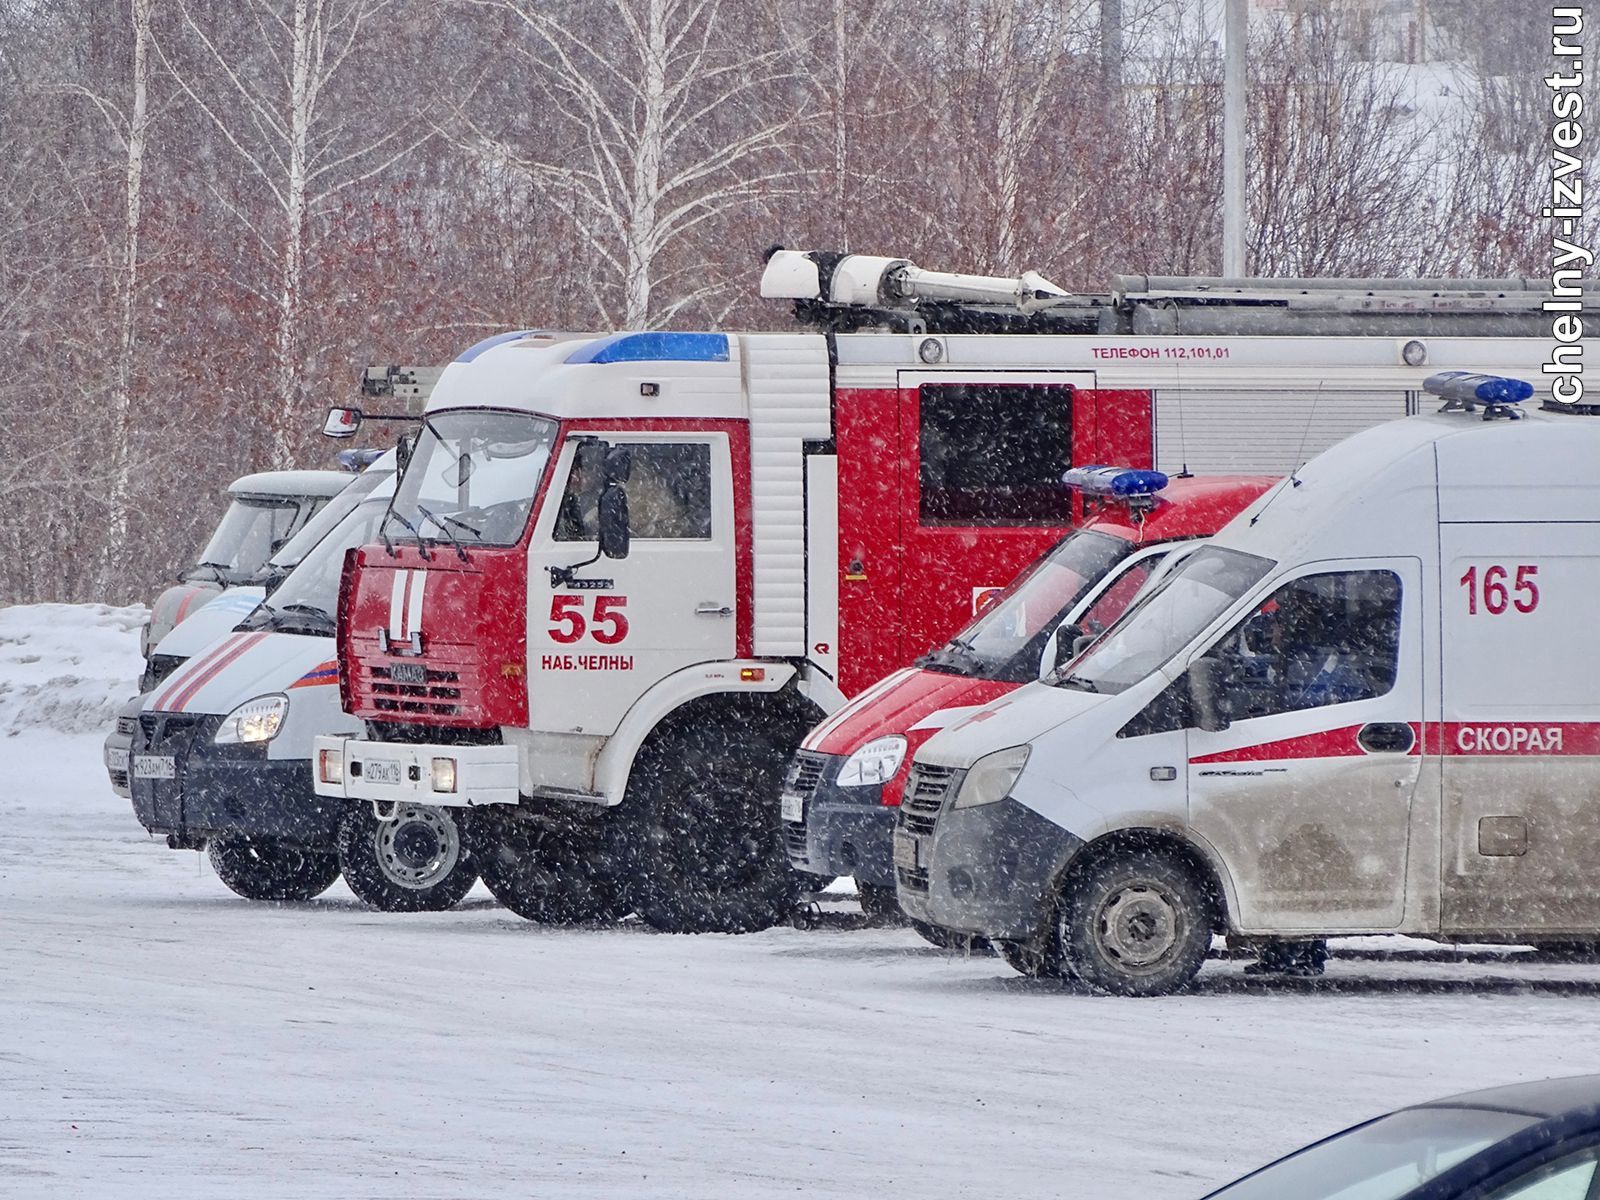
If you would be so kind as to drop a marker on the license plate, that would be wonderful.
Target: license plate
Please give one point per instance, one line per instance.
(117, 759)
(381, 770)
(155, 766)
(794, 807)
(905, 851)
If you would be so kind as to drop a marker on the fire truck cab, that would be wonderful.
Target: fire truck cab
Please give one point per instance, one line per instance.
(1368, 705)
(622, 575)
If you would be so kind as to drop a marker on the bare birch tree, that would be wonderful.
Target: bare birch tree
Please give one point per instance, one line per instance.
(278, 84)
(665, 133)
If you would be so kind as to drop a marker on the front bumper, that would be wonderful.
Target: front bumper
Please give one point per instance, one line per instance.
(225, 790)
(987, 871)
(842, 831)
(118, 748)
(403, 771)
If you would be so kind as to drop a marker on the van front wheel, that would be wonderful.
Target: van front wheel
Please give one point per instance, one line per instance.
(1134, 923)
(272, 870)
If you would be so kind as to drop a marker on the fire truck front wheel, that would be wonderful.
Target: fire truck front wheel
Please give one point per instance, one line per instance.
(415, 862)
(272, 870)
(701, 815)
(543, 873)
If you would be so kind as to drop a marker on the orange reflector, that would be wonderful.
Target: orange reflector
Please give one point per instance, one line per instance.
(752, 674)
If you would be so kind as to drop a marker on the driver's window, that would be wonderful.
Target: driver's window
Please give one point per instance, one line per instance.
(1318, 640)
(1569, 1179)
(668, 489)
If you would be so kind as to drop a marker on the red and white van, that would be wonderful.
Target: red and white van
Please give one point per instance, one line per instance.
(844, 786)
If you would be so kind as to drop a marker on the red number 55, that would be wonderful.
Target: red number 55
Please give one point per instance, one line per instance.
(568, 624)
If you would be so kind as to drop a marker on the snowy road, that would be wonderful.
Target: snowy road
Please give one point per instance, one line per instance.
(159, 1037)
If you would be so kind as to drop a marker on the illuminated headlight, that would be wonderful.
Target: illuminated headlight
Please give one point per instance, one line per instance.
(876, 762)
(255, 720)
(444, 774)
(992, 777)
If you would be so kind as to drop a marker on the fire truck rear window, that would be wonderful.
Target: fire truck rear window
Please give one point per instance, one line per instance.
(994, 454)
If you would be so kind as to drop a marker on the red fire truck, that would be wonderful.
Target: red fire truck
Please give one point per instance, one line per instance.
(623, 575)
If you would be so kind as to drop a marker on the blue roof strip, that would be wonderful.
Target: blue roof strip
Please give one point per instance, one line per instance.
(489, 343)
(653, 347)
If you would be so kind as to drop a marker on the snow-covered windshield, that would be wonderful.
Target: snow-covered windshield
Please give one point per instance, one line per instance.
(1166, 620)
(1006, 640)
(472, 479)
(335, 511)
(1382, 1159)
(306, 599)
(252, 529)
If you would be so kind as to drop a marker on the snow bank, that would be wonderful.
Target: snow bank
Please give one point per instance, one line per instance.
(67, 667)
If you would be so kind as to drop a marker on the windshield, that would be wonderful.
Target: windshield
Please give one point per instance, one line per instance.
(472, 479)
(335, 511)
(1007, 639)
(1380, 1160)
(251, 529)
(1168, 618)
(305, 601)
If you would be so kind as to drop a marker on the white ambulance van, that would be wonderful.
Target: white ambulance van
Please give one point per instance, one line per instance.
(1370, 705)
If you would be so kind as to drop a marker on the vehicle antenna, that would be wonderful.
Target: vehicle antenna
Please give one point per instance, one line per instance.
(1183, 445)
(1299, 461)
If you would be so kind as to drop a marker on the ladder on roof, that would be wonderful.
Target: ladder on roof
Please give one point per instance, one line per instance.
(842, 293)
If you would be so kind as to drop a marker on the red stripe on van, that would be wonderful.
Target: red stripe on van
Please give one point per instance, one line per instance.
(218, 665)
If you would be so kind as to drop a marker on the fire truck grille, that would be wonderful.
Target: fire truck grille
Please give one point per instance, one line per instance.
(439, 693)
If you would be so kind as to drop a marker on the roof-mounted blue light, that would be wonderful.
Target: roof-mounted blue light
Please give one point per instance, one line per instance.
(1122, 483)
(489, 343)
(359, 459)
(1463, 391)
(653, 347)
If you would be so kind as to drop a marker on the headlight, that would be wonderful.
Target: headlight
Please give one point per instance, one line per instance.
(255, 720)
(992, 777)
(876, 762)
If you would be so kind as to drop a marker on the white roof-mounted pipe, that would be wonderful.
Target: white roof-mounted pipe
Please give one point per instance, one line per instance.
(872, 281)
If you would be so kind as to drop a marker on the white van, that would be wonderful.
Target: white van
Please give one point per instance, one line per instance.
(1370, 705)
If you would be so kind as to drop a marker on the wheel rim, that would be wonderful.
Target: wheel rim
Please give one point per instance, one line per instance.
(418, 849)
(1139, 927)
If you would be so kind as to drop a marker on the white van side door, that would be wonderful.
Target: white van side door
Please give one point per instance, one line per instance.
(1306, 795)
(1520, 820)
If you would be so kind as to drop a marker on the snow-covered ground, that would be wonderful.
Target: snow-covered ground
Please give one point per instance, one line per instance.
(161, 1038)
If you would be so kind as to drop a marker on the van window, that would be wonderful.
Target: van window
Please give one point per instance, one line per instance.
(994, 454)
(669, 492)
(1318, 640)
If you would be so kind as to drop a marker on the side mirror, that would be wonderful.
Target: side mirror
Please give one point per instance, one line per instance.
(1066, 638)
(404, 449)
(1211, 709)
(613, 514)
(342, 423)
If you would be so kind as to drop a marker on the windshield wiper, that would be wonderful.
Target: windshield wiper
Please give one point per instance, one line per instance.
(1077, 682)
(445, 529)
(422, 542)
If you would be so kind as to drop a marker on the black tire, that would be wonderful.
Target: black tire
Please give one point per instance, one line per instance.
(1134, 923)
(880, 904)
(271, 870)
(542, 873)
(1031, 959)
(418, 862)
(702, 829)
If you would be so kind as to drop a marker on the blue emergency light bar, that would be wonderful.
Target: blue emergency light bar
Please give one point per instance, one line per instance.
(1120, 482)
(1468, 387)
(359, 460)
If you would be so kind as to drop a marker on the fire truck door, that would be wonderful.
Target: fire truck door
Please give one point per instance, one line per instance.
(599, 639)
(1306, 795)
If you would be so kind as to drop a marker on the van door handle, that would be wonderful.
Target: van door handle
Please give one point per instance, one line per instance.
(710, 608)
(1386, 737)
